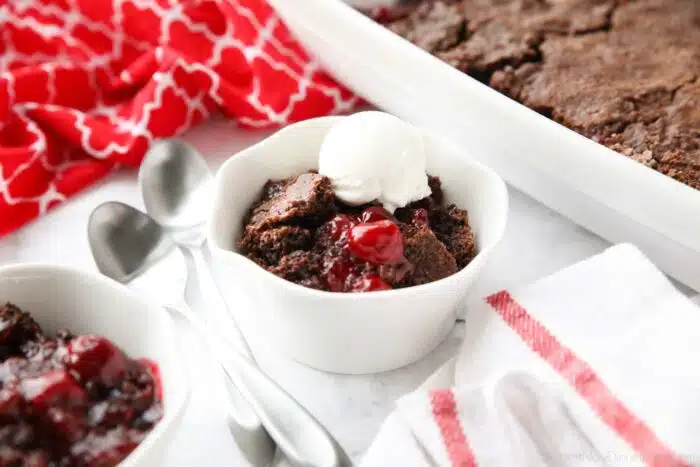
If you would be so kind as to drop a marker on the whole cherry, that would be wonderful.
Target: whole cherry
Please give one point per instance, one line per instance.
(378, 242)
(94, 357)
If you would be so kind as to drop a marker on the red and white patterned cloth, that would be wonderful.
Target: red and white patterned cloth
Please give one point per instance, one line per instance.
(595, 365)
(87, 85)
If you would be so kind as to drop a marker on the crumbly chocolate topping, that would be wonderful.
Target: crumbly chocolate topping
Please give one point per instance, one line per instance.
(293, 232)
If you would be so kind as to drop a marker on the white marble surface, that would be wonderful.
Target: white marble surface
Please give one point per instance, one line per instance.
(537, 243)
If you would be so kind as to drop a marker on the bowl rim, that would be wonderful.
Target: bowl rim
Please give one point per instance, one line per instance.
(174, 410)
(250, 153)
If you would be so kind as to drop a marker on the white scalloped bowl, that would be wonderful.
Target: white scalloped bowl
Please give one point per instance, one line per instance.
(343, 332)
(83, 302)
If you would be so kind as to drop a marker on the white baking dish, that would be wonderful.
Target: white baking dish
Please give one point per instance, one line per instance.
(607, 193)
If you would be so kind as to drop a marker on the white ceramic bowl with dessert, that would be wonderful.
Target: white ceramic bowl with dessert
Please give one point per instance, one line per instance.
(87, 304)
(341, 332)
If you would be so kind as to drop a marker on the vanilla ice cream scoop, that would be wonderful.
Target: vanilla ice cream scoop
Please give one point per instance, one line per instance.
(372, 156)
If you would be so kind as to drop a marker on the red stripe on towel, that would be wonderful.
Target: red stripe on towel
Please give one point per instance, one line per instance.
(585, 381)
(445, 413)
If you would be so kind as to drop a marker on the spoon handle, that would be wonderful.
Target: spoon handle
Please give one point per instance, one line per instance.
(247, 430)
(215, 302)
(302, 439)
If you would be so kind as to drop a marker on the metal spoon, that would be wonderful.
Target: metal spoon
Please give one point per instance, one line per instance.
(177, 189)
(176, 186)
(132, 248)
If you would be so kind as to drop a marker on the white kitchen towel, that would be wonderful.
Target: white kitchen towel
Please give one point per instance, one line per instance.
(594, 365)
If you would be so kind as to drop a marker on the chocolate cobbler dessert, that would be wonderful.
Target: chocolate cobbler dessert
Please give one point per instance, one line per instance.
(300, 231)
(625, 73)
(70, 400)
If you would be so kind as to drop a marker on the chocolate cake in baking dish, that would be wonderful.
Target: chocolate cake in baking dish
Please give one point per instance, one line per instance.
(625, 73)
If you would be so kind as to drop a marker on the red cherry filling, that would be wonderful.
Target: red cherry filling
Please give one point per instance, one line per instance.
(51, 416)
(53, 389)
(337, 274)
(369, 283)
(374, 214)
(96, 358)
(340, 224)
(70, 425)
(10, 403)
(378, 242)
(154, 370)
(361, 243)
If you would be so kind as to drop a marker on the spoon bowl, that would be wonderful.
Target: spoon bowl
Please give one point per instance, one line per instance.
(176, 184)
(129, 247)
(125, 242)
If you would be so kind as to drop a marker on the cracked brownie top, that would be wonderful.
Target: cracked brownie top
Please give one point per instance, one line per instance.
(624, 73)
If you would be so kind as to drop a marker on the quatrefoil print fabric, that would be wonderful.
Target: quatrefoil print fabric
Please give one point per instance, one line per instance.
(87, 85)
